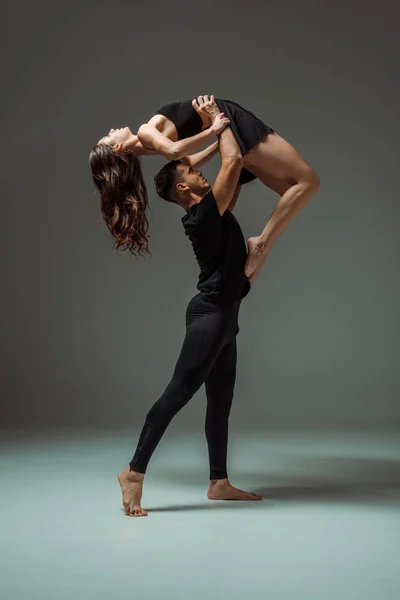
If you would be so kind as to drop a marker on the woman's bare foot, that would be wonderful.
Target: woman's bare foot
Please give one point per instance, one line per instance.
(256, 257)
(131, 484)
(221, 489)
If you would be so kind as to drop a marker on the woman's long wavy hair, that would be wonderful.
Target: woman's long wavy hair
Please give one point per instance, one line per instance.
(123, 197)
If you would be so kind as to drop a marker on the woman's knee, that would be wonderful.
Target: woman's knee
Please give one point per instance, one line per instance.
(312, 182)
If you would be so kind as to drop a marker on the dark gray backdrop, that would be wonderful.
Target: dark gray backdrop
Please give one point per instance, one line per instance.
(90, 338)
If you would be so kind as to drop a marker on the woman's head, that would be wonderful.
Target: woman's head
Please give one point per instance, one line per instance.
(119, 139)
(117, 174)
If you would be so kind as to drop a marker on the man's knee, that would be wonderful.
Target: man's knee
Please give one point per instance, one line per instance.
(182, 387)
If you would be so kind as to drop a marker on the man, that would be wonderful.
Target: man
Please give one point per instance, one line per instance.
(209, 350)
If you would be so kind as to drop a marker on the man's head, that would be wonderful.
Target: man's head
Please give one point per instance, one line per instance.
(178, 182)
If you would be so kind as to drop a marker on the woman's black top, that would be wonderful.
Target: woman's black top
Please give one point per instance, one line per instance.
(246, 127)
(220, 250)
(186, 120)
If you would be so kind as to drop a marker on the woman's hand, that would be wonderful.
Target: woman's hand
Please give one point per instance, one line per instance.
(207, 108)
(219, 123)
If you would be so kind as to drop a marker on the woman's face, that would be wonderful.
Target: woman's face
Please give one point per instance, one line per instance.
(118, 137)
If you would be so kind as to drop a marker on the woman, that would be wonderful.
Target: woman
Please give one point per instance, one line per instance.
(175, 131)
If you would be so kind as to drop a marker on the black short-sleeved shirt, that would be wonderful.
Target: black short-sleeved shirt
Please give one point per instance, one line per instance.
(220, 250)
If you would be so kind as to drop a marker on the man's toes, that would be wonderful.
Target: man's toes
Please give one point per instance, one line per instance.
(138, 511)
(252, 496)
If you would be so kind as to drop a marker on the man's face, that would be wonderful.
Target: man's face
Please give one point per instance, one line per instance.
(193, 179)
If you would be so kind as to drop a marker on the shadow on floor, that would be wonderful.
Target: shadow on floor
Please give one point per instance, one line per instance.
(311, 479)
(207, 505)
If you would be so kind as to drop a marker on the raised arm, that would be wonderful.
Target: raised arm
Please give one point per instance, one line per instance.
(235, 198)
(225, 188)
(150, 136)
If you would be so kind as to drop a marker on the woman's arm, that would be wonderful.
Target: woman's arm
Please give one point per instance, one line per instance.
(200, 158)
(149, 135)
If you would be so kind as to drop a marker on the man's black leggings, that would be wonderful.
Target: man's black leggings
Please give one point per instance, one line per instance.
(208, 356)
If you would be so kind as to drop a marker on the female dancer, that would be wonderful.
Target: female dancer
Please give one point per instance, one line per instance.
(209, 349)
(176, 130)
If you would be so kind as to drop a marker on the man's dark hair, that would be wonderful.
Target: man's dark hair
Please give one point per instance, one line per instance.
(165, 180)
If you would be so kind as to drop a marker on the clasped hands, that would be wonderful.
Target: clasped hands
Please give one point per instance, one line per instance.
(211, 116)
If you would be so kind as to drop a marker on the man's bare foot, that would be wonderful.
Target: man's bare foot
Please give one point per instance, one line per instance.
(221, 489)
(256, 257)
(131, 485)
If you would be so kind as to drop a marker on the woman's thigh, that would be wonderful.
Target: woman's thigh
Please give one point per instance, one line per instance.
(279, 186)
(275, 158)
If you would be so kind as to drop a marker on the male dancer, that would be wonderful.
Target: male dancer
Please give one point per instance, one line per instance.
(208, 353)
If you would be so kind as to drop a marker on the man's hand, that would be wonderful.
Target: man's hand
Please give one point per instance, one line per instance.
(207, 108)
(219, 123)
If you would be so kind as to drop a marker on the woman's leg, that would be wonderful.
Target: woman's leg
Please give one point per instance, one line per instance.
(276, 162)
(199, 350)
(280, 186)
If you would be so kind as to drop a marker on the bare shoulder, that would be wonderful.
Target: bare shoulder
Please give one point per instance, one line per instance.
(145, 130)
(158, 124)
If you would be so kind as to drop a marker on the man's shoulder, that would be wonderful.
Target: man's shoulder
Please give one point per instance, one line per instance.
(202, 213)
(208, 196)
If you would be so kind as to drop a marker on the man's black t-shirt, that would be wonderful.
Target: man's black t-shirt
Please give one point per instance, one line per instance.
(220, 250)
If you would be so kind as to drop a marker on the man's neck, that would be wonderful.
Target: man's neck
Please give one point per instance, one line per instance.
(194, 199)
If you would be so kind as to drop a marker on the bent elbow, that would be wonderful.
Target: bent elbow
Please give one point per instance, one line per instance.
(141, 134)
(173, 153)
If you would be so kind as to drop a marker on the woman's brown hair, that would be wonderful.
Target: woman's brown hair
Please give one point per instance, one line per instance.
(123, 197)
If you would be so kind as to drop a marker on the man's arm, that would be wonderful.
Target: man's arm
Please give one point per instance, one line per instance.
(227, 179)
(235, 198)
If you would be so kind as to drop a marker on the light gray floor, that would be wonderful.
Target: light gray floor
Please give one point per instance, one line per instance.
(328, 528)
